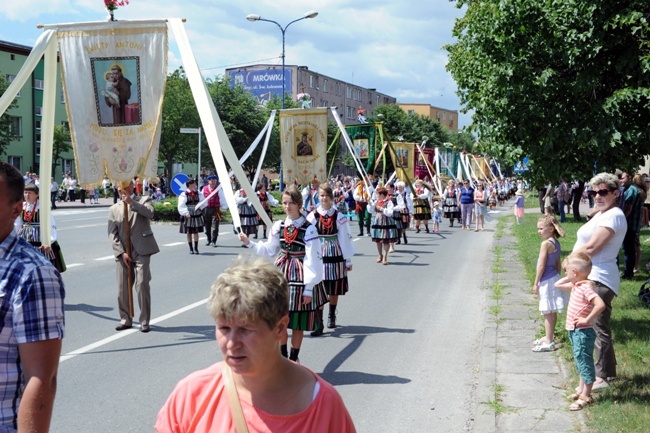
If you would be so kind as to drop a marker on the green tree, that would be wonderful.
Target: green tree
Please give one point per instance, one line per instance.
(7, 133)
(60, 145)
(556, 81)
(412, 128)
(178, 111)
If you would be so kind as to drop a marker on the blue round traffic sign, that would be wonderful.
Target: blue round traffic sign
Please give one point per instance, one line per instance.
(177, 184)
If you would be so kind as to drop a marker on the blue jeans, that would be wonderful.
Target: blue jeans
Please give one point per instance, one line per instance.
(562, 205)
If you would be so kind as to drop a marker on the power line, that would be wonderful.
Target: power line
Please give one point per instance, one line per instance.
(237, 64)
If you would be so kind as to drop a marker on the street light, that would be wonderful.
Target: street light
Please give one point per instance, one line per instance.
(195, 131)
(255, 17)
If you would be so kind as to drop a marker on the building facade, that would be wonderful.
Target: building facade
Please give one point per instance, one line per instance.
(266, 81)
(446, 118)
(24, 153)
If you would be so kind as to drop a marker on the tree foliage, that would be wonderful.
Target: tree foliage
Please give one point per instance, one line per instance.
(556, 80)
(7, 135)
(60, 144)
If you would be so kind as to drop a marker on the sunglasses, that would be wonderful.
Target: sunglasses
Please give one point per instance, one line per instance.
(600, 192)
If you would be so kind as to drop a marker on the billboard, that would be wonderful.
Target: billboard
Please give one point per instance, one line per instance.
(264, 84)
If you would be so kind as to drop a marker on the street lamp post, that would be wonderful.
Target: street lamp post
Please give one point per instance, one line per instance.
(254, 17)
(195, 131)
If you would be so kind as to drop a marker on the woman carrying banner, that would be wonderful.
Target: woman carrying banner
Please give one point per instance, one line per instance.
(422, 208)
(191, 217)
(249, 218)
(398, 206)
(265, 198)
(28, 227)
(336, 249)
(407, 211)
(383, 229)
(450, 206)
(299, 260)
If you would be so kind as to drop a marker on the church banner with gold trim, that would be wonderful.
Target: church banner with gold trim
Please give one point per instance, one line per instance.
(303, 139)
(114, 77)
(404, 160)
(422, 168)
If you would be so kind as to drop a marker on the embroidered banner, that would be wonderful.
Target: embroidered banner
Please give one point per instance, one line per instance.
(303, 139)
(114, 77)
(403, 160)
(421, 168)
(363, 143)
(449, 159)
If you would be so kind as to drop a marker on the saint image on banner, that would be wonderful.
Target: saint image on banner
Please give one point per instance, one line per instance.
(360, 146)
(402, 158)
(117, 96)
(304, 148)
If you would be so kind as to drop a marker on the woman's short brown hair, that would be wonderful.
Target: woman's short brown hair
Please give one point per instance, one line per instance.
(294, 194)
(327, 190)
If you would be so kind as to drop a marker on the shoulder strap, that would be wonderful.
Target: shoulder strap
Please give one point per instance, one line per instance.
(233, 399)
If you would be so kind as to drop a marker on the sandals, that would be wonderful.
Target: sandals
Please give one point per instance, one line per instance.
(545, 347)
(580, 403)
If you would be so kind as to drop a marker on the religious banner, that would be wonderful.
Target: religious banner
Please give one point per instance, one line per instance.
(404, 160)
(363, 143)
(422, 169)
(303, 140)
(114, 77)
(448, 162)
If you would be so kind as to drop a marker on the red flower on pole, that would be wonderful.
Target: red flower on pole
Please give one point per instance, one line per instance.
(112, 5)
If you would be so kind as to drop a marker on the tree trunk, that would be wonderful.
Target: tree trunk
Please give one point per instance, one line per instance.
(577, 197)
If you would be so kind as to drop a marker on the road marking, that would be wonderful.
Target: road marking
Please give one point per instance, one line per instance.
(81, 227)
(74, 265)
(103, 217)
(173, 244)
(105, 258)
(123, 334)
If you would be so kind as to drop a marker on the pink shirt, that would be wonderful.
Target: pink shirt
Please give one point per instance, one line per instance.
(582, 293)
(199, 404)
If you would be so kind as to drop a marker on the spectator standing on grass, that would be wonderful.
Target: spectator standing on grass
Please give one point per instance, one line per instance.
(632, 210)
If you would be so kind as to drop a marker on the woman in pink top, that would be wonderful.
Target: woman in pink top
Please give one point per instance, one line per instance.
(250, 303)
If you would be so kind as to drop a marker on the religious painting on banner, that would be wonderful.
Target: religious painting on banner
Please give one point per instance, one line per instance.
(403, 160)
(422, 169)
(448, 162)
(363, 142)
(114, 77)
(303, 138)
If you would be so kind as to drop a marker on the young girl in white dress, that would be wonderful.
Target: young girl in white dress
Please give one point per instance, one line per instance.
(551, 299)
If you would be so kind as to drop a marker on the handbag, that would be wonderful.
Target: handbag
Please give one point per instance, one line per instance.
(233, 399)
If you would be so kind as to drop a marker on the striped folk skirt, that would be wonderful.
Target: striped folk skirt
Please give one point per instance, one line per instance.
(302, 317)
(193, 223)
(383, 229)
(421, 209)
(335, 274)
(249, 218)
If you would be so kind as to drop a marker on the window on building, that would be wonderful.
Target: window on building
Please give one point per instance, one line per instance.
(38, 150)
(38, 111)
(444, 116)
(38, 137)
(67, 165)
(348, 92)
(66, 125)
(10, 79)
(39, 84)
(16, 161)
(37, 125)
(62, 97)
(313, 81)
(325, 85)
(377, 99)
(411, 111)
(338, 89)
(16, 127)
(349, 112)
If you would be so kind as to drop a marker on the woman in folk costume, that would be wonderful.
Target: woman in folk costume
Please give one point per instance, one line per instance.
(336, 249)
(339, 198)
(407, 211)
(421, 206)
(398, 207)
(299, 260)
(450, 202)
(265, 198)
(191, 215)
(28, 227)
(249, 218)
(384, 231)
(362, 193)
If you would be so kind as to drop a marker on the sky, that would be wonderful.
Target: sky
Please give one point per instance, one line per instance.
(394, 46)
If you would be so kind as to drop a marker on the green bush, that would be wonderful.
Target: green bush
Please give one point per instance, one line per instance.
(169, 212)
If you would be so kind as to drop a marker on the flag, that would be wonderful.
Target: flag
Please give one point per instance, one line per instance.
(303, 141)
(114, 77)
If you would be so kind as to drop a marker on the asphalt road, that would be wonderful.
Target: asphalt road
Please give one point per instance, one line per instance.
(404, 357)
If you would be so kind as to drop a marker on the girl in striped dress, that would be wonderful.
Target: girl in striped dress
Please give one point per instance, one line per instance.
(422, 209)
(398, 207)
(299, 259)
(191, 216)
(336, 249)
(383, 229)
(249, 218)
(407, 211)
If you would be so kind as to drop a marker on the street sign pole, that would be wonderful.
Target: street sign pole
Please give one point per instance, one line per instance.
(195, 131)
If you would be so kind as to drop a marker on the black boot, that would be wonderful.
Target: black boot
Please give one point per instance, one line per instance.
(360, 229)
(209, 241)
(264, 233)
(196, 247)
(368, 229)
(399, 241)
(294, 354)
(191, 249)
(405, 240)
(426, 228)
(319, 330)
(331, 319)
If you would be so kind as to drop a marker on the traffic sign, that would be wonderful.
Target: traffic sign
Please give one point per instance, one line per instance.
(178, 183)
(190, 130)
(521, 166)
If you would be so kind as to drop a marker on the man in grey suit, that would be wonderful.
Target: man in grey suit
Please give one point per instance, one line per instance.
(143, 246)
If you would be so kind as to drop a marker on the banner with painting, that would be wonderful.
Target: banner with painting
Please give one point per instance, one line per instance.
(404, 160)
(422, 169)
(303, 140)
(449, 159)
(363, 143)
(114, 80)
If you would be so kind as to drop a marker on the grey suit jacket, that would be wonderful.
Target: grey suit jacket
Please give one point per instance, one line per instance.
(140, 213)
